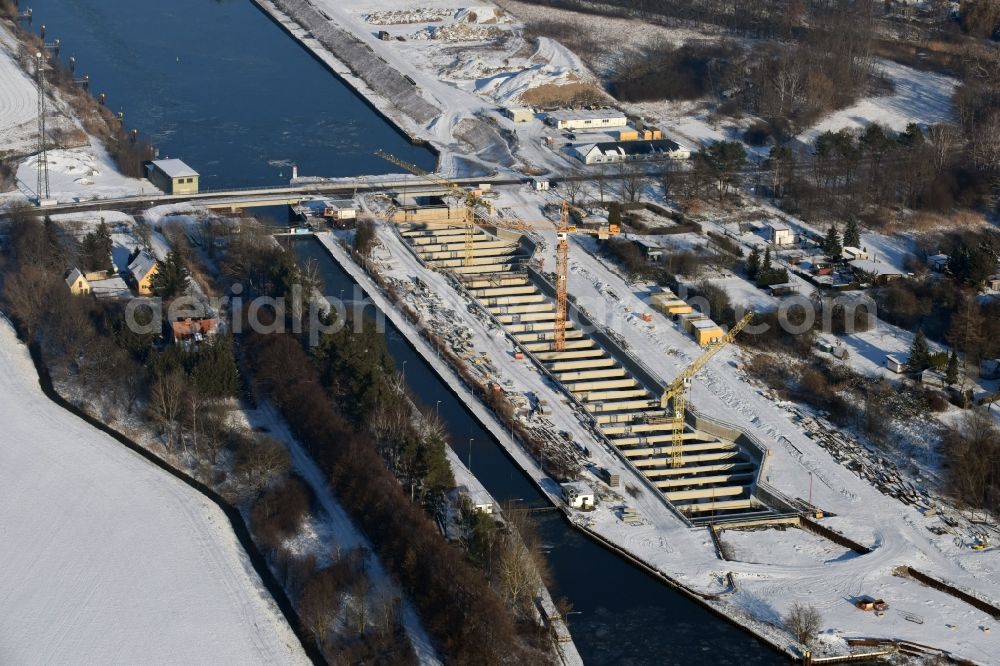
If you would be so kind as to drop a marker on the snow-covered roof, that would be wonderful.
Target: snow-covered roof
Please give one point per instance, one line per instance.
(779, 226)
(142, 265)
(73, 276)
(704, 324)
(341, 204)
(578, 487)
(585, 114)
(875, 267)
(112, 287)
(174, 168)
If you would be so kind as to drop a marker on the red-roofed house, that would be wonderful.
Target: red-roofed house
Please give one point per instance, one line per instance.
(196, 330)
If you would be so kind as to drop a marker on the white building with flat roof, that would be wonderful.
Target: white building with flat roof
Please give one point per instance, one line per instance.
(780, 234)
(519, 114)
(173, 176)
(584, 119)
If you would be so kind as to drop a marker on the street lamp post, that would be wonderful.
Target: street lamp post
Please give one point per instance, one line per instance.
(471, 439)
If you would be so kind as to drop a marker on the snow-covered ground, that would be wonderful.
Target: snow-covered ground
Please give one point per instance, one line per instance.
(789, 545)
(898, 532)
(83, 174)
(108, 559)
(18, 101)
(917, 97)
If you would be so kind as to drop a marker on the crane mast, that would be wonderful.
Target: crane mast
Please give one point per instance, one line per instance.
(470, 201)
(562, 279)
(676, 393)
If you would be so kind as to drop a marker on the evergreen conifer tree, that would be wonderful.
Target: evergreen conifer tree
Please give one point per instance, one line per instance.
(831, 244)
(852, 234)
(753, 264)
(172, 279)
(951, 374)
(920, 355)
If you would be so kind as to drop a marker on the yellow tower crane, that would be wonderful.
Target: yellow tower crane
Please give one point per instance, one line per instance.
(676, 393)
(562, 268)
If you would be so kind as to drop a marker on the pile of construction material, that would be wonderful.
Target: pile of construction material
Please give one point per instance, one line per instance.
(849, 452)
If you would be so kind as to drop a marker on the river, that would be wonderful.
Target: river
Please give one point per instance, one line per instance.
(218, 84)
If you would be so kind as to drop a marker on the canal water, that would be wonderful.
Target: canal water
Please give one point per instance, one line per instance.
(218, 84)
(221, 86)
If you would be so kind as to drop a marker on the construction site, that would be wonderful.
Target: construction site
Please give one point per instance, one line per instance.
(704, 474)
(640, 427)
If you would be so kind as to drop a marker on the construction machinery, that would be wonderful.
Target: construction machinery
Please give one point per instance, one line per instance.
(676, 394)
(474, 214)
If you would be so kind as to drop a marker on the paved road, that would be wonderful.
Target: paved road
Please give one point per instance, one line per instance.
(264, 194)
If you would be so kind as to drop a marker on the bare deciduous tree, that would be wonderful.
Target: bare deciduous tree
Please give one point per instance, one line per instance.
(319, 604)
(632, 179)
(260, 460)
(166, 401)
(804, 622)
(572, 186)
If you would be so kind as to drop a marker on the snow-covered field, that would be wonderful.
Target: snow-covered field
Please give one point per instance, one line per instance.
(785, 545)
(917, 97)
(83, 174)
(18, 100)
(106, 558)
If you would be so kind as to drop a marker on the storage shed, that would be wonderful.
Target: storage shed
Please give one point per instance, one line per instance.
(895, 365)
(520, 114)
(780, 234)
(173, 177)
(578, 495)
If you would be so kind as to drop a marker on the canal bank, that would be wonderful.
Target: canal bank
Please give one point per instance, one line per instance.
(397, 101)
(324, 54)
(221, 86)
(571, 579)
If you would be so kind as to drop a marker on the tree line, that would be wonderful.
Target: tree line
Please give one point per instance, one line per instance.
(467, 619)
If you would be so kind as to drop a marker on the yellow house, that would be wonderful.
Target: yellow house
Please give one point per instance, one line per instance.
(173, 177)
(77, 282)
(142, 270)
